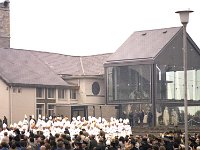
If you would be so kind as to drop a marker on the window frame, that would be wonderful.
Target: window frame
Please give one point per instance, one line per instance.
(43, 93)
(50, 109)
(72, 92)
(61, 94)
(52, 90)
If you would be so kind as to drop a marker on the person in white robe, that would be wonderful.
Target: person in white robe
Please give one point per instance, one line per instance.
(166, 116)
(25, 123)
(174, 117)
(32, 123)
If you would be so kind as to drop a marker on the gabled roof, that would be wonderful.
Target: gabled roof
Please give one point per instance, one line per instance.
(143, 45)
(73, 65)
(93, 65)
(59, 63)
(26, 67)
(21, 67)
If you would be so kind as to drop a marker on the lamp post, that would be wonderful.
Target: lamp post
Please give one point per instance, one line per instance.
(184, 17)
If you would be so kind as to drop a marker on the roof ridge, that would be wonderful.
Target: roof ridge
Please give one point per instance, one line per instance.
(81, 61)
(159, 29)
(146, 41)
(40, 51)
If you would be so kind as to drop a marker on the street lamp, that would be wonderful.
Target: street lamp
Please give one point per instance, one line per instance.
(184, 17)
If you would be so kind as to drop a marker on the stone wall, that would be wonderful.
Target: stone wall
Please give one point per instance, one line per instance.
(4, 26)
(64, 110)
(106, 111)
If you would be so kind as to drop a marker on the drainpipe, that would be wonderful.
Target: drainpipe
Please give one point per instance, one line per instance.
(10, 104)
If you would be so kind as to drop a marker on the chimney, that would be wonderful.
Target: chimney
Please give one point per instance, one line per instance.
(5, 24)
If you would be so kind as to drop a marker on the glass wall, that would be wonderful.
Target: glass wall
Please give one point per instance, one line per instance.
(128, 83)
(174, 115)
(170, 83)
(166, 114)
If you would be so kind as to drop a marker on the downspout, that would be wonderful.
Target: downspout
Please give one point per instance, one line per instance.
(10, 105)
(153, 93)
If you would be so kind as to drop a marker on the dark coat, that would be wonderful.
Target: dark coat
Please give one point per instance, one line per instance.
(144, 146)
(93, 143)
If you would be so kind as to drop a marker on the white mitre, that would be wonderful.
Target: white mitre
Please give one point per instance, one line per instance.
(111, 119)
(20, 123)
(4, 125)
(79, 118)
(15, 125)
(73, 119)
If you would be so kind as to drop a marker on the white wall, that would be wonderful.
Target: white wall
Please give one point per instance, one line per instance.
(4, 100)
(90, 97)
(23, 103)
(85, 95)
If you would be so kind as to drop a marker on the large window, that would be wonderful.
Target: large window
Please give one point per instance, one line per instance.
(40, 92)
(61, 93)
(51, 93)
(128, 82)
(174, 115)
(170, 83)
(73, 94)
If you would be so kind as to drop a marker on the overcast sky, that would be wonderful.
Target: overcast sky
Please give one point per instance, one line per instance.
(88, 27)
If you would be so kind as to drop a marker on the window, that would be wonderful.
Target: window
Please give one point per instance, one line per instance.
(72, 94)
(51, 110)
(129, 83)
(51, 93)
(95, 88)
(61, 94)
(39, 92)
(19, 90)
(40, 109)
(14, 90)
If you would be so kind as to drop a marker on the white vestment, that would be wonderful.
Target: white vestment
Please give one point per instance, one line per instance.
(166, 116)
(174, 118)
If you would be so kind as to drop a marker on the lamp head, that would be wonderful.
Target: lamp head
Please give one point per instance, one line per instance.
(184, 15)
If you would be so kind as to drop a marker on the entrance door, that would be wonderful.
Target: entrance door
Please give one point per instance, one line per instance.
(40, 110)
(51, 109)
(79, 111)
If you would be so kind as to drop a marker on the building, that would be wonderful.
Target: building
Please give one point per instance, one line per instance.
(48, 84)
(145, 73)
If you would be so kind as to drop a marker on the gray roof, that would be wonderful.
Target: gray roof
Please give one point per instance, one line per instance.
(93, 65)
(43, 68)
(22, 67)
(28, 67)
(143, 45)
(59, 63)
(73, 65)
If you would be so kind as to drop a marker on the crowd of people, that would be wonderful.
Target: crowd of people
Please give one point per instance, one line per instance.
(139, 118)
(59, 133)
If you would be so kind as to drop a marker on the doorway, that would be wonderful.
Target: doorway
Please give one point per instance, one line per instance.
(79, 111)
